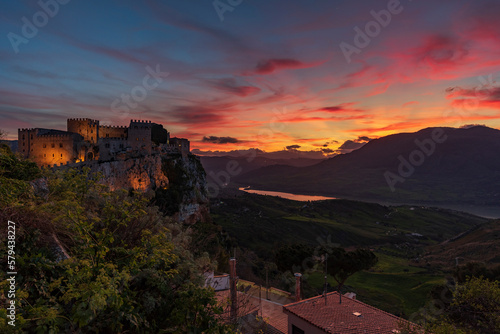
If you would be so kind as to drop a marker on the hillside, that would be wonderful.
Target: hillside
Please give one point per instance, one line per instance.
(255, 221)
(400, 284)
(461, 166)
(480, 244)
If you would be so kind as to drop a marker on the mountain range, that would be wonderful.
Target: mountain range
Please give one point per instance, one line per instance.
(434, 165)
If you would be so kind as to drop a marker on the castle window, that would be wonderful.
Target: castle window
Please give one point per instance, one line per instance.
(91, 131)
(23, 150)
(60, 145)
(23, 143)
(53, 155)
(107, 135)
(137, 139)
(31, 150)
(143, 139)
(44, 145)
(107, 145)
(45, 155)
(31, 136)
(23, 136)
(61, 155)
(53, 145)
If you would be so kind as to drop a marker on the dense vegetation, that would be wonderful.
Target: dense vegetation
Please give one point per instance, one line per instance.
(92, 260)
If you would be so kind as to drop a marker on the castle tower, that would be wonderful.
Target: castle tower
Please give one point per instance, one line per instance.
(139, 135)
(86, 127)
(49, 147)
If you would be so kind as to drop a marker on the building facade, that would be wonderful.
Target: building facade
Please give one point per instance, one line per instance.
(87, 140)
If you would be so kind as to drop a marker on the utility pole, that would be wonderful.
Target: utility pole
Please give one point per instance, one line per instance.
(267, 284)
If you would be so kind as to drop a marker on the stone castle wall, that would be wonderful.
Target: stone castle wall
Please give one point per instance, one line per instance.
(49, 149)
(86, 127)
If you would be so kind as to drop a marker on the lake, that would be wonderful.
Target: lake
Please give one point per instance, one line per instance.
(302, 198)
(482, 211)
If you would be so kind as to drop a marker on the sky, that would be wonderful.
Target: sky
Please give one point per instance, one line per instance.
(311, 76)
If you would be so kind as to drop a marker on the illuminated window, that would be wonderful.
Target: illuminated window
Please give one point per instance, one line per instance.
(137, 139)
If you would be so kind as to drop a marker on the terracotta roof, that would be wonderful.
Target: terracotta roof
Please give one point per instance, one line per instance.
(351, 316)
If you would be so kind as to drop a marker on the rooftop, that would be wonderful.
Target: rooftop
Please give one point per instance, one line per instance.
(350, 316)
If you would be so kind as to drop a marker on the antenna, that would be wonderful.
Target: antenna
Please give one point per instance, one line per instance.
(326, 274)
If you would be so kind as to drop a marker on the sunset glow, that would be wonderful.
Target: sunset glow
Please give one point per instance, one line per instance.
(262, 75)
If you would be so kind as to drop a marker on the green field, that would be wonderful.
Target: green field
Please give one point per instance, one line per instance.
(392, 285)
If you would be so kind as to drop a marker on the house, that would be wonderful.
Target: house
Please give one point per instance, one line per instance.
(340, 314)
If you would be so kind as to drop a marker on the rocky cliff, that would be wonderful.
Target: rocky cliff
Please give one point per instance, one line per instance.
(178, 182)
(140, 174)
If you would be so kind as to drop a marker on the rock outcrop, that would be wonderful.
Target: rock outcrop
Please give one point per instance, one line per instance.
(142, 174)
(178, 182)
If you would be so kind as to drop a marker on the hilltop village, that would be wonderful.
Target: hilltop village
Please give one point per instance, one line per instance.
(86, 140)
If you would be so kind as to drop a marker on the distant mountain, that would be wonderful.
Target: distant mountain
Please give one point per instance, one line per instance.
(11, 143)
(433, 165)
(215, 165)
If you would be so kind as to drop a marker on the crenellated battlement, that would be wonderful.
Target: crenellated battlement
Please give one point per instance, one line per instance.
(56, 136)
(140, 121)
(83, 120)
(119, 127)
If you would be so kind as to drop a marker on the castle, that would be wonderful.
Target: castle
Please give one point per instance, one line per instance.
(86, 140)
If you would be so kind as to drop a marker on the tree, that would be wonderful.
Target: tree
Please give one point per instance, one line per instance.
(292, 257)
(475, 309)
(342, 264)
(129, 268)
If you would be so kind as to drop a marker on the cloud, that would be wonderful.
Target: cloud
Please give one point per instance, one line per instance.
(272, 65)
(343, 107)
(351, 145)
(231, 86)
(486, 96)
(293, 147)
(220, 140)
